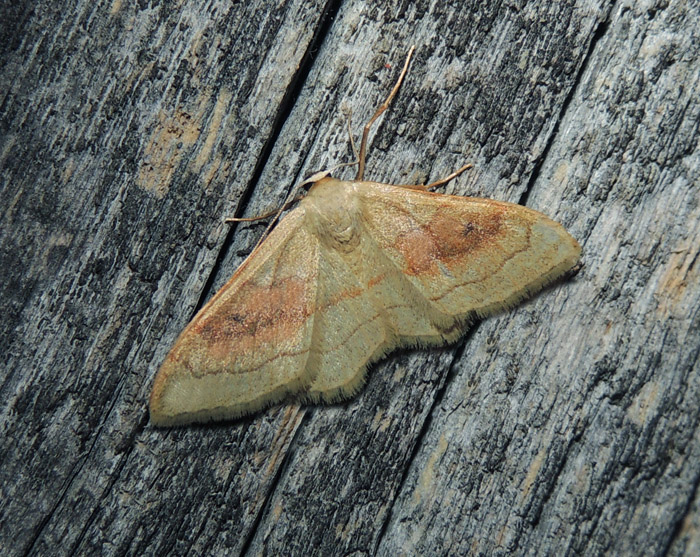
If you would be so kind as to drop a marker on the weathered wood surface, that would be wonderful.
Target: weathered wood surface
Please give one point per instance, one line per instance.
(569, 425)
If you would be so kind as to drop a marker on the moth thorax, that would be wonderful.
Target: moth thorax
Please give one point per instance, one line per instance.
(335, 211)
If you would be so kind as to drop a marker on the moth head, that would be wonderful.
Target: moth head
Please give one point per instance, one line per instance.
(317, 177)
(307, 184)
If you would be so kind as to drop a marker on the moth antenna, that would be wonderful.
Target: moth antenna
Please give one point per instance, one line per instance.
(377, 114)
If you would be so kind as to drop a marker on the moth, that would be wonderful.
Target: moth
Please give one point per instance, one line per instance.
(354, 271)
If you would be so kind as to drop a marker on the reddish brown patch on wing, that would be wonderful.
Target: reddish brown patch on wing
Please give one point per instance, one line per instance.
(257, 316)
(375, 280)
(448, 237)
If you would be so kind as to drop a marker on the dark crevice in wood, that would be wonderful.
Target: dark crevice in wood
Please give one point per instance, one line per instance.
(425, 427)
(47, 517)
(116, 476)
(141, 425)
(552, 481)
(285, 108)
(276, 480)
(679, 528)
(67, 484)
(600, 32)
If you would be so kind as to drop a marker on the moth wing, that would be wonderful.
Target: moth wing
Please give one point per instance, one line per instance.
(348, 330)
(366, 307)
(467, 256)
(248, 347)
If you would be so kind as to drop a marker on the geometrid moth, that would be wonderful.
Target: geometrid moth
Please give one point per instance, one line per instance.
(354, 271)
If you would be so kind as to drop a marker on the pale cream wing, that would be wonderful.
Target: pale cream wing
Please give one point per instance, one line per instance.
(366, 307)
(348, 330)
(466, 256)
(248, 347)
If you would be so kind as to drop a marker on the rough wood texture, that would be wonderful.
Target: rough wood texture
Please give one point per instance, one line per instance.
(128, 131)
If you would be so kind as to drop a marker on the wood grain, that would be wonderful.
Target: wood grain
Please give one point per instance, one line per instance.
(567, 426)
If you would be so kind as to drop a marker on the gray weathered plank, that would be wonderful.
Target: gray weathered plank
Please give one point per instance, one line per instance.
(569, 425)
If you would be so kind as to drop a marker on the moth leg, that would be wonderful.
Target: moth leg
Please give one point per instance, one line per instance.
(276, 214)
(446, 179)
(440, 182)
(377, 114)
(348, 113)
(260, 217)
